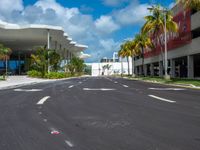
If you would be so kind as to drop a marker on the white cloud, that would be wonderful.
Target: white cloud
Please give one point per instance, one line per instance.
(114, 2)
(132, 14)
(105, 48)
(82, 28)
(8, 6)
(50, 4)
(105, 24)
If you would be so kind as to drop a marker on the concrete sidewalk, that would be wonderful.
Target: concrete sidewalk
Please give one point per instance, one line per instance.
(16, 81)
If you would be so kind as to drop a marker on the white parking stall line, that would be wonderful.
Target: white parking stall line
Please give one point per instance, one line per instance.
(40, 102)
(162, 99)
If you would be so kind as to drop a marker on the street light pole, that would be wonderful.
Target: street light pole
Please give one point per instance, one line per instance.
(166, 62)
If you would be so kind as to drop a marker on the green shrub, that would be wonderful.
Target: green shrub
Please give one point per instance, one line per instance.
(34, 73)
(50, 75)
(56, 75)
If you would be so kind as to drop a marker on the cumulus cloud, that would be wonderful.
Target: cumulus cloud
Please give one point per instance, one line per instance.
(105, 24)
(8, 6)
(132, 14)
(114, 2)
(83, 28)
(105, 48)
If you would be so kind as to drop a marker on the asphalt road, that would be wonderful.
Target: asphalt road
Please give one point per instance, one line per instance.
(99, 114)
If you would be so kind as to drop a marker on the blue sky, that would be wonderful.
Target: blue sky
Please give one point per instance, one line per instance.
(101, 24)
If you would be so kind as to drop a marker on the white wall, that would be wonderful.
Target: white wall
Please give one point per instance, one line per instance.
(116, 68)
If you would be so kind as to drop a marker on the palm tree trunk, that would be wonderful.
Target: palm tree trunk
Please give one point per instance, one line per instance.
(128, 66)
(142, 60)
(122, 69)
(133, 66)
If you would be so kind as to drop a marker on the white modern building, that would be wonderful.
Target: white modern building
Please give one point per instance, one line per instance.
(113, 66)
(24, 39)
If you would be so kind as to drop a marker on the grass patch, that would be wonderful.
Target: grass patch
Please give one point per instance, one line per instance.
(171, 81)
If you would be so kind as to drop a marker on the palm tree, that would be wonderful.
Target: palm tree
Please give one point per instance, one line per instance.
(142, 41)
(133, 51)
(40, 60)
(155, 25)
(4, 55)
(125, 51)
(193, 4)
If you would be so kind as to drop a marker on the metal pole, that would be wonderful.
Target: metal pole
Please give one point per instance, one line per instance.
(166, 63)
(6, 67)
(48, 47)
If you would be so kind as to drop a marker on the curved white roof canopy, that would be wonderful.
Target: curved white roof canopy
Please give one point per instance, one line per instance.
(26, 37)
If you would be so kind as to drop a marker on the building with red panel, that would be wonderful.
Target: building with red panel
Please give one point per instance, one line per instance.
(183, 48)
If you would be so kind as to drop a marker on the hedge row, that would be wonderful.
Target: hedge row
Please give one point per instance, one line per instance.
(50, 75)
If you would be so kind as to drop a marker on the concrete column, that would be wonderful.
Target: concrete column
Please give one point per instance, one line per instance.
(145, 70)
(152, 69)
(190, 67)
(161, 69)
(140, 70)
(56, 43)
(173, 68)
(136, 70)
(19, 63)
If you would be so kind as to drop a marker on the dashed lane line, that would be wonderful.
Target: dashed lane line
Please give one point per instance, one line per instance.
(167, 89)
(162, 99)
(98, 89)
(71, 86)
(69, 143)
(41, 102)
(27, 90)
(125, 85)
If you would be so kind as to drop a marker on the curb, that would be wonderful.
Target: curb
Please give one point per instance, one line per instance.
(36, 82)
(18, 85)
(191, 86)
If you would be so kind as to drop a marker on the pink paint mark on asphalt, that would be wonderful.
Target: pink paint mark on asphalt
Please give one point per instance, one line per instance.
(55, 132)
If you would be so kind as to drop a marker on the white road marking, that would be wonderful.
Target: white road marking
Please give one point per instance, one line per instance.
(69, 143)
(162, 99)
(167, 89)
(98, 89)
(80, 82)
(40, 102)
(125, 85)
(115, 82)
(71, 86)
(27, 90)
